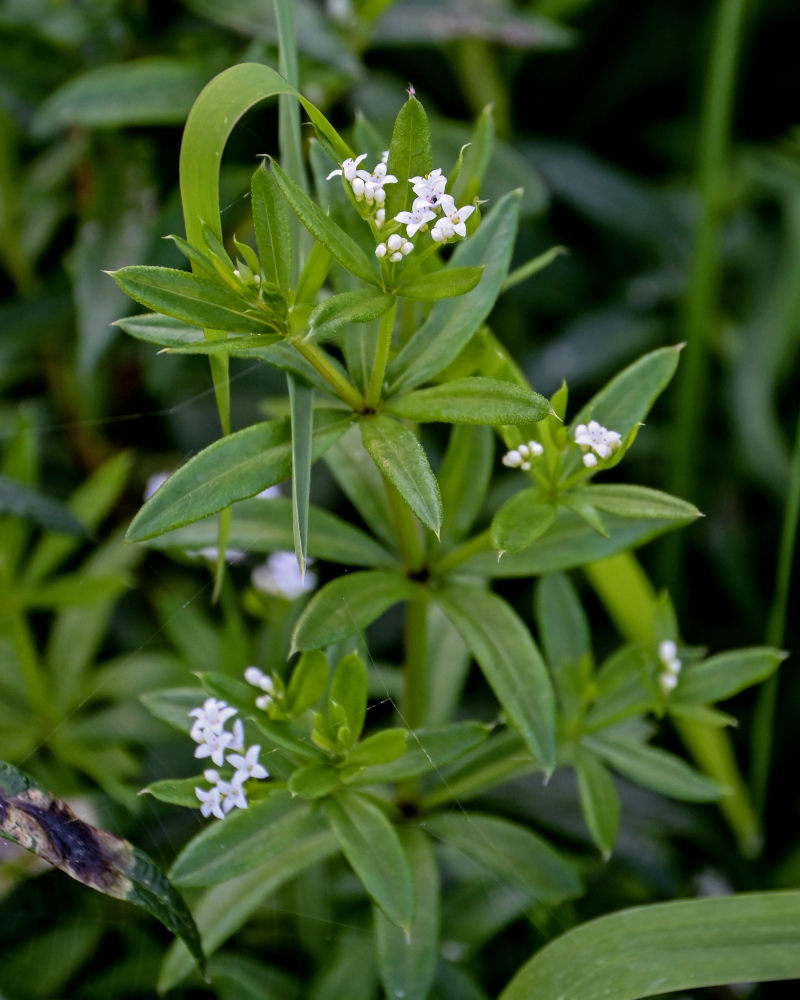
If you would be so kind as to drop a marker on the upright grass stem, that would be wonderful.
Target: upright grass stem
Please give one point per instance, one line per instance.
(704, 275)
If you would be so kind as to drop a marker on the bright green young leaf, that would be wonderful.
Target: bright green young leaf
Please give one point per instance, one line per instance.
(22, 501)
(510, 661)
(464, 477)
(271, 226)
(402, 459)
(380, 748)
(348, 690)
(563, 625)
(348, 604)
(194, 300)
(663, 948)
(472, 401)
(308, 683)
(444, 284)
(233, 468)
(513, 852)
(265, 525)
(726, 674)
(246, 839)
(338, 311)
(653, 768)
(522, 519)
(45, 825)
(371, 845)
(453, 322)
(335, 240)
(407, 964)
(176, 791)
(635, 501)
(427, 750)
(599, 800)
(410, 155)
(314, 780)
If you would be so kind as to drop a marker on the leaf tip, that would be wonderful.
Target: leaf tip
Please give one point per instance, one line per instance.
(679, 347)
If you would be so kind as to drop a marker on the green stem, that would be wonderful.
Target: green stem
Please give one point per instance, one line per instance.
(416, 682)
(764, 720)
(474, 546)
(704, 277)
(323, 364)
(408, 539)
(381, 358)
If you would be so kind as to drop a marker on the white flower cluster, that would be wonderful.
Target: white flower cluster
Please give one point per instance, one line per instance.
(367, 185)
(280, 576)
(593, 437)
(431, 199)
(520, 457)
(213, 740)
(264, 683)
(667, 654)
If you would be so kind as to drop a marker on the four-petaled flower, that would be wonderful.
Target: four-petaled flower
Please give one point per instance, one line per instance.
(212, 715)
(348, 169)
(419, 216)
(599, 439)
(430, 187)
(232, 795)
(211, 804)
(213, 744)
(247, 766)
(457, 217)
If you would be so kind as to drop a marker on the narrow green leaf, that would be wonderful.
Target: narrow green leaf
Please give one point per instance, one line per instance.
(237, 347)
(410, 154)
(585, 511)
(165, 331)
(338, 311)
(45, 825)
(472, 401)
(444, 284)
(301, 405)
(237, 466)
(726, 674)
(401, 458)
(635, 501)
(522, 519)
(348, 690)
(314, 780)
(668, 947)
(563, 625)
(335, 240)
(657, 769)
(474, 160)
(176, 791)
(464, 477)
(271, 226)
(513, 852)
(22, 501)
(371, 845)
(499, 759)
(192, 299)
(363, 485)
(348, 604)
(510, 661)
(407, 963)
(308, 683)
(599, 800)
(453, 322)
(380, 748)
(246, 839)
(427, 750)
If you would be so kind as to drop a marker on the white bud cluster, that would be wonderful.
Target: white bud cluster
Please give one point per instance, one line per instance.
(396, 247)
(520, 457)
(667, 654)
(264, 683)
(596, 441)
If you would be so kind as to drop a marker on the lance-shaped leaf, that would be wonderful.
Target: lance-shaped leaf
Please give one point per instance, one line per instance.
(472, 401)
(348, 692)
(427, 750)
(371, 845)
(361, 482)
(522, 519)
(348, 604)
(407, 963)
(45, 825)
(635, 501)
(301, 405)
(335, 240)
(726, 674)
(246, 839)
(453, 322)
(663, 948)
(402, 459)
(22, 501)
(338, 311)
(165, 331)
(192, 299)
(599, 800)
(510, 661)
(464, 477)
(271, 226)
(513, 852)
(233, 468)
(444, 284)
(410, 154)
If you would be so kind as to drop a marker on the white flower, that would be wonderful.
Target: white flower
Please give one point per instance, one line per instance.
(443, 231)
(667, 650)
(378, 176)
(214, 745)
(247, 766)
(429, 188)
(457, 217)
(154, 482)
(237, 737)
(668, 682)
(599, 439)
(211, 803)
(668, 655)
(270, 493)
(232, 795)
(212, 716)
(280, 577)
(348, 168)
(254, 676)
(419, 216)
(520, 457)
(210, 553)
(263, 701)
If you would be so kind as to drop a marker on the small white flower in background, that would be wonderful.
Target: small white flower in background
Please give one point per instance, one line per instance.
(209, 553)
(419, 216)
(213, 745)
(668, 655)
(265, 683)
(232, 795)
(348, 169)
(599, 439)
(457, 217)
(154, 482)
(247, 766)
(280, 576)
(211, 716)
(237, 740)
(520, 457)
(211, 804)
(270, 493)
